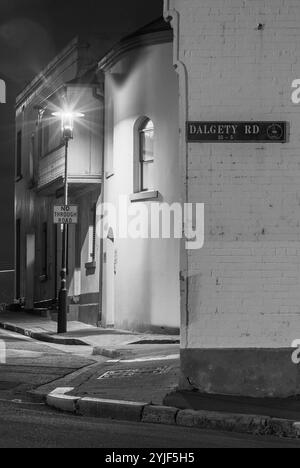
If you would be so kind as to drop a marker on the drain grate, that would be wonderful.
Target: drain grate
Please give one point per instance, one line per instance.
(123, 373)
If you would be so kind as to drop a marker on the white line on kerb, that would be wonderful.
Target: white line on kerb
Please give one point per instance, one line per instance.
(7, 271)
(171, 357)
(59, 391)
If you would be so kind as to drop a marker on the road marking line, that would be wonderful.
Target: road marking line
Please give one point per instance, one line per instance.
(61, 391)
(171, 357)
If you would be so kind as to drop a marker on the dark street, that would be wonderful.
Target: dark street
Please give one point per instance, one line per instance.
(30, 364)
(150, 229)
(25, 423)
(35, 426)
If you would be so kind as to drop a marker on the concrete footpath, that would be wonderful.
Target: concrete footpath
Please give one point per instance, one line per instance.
(111, 343)
(135, 376)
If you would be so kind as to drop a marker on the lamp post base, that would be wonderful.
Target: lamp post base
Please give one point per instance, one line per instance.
(62, 312)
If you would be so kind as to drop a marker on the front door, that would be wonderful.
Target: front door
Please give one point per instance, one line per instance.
(109, 281)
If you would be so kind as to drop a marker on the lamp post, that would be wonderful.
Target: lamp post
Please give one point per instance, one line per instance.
(67, 125)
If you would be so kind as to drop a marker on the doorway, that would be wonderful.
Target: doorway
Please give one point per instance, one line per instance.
(109, 280)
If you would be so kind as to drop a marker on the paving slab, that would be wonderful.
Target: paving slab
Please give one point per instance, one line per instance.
(103, 340)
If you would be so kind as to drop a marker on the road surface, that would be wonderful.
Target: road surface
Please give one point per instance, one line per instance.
(24, 423)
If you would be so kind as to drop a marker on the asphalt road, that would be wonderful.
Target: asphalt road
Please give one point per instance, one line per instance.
(33, 425)
(26, 364)
(37, 427)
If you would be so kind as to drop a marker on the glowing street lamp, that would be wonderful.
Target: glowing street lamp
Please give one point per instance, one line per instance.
(67, 122)
(67, 127)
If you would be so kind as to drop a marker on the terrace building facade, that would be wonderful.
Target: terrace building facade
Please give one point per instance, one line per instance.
(236, 61)
(40, 162)
(141, 276)
(130, 106)
(238, 297)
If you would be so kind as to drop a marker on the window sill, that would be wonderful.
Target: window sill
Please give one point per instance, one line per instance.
(144, 196)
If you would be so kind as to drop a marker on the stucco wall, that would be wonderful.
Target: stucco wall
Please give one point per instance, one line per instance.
(146, 280)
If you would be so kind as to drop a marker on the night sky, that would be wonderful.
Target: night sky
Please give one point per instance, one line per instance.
(31, 33)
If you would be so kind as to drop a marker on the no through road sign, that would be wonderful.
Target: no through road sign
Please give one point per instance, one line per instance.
(66, 214)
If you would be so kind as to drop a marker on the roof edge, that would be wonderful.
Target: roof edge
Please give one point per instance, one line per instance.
(131, 43)
(38, 79)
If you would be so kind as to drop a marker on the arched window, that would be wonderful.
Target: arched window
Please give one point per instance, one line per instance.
(146, 155)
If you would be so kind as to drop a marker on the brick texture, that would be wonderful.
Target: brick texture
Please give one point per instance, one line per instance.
(244, 285)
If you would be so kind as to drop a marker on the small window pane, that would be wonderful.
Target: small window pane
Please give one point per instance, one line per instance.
(31, 158)
(149, 126)
(148, 146)
(147, 156)
(44, 249)
(147, 142)
(148, 176)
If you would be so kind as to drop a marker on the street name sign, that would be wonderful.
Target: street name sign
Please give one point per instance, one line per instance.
(236, 132)
(66, 214)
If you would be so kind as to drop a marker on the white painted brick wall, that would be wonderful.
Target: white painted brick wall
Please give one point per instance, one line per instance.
(244, 285)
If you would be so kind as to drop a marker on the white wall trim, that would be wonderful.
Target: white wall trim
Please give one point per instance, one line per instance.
(144, 196)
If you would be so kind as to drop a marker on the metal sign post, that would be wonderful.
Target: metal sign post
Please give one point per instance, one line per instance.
(64, 215)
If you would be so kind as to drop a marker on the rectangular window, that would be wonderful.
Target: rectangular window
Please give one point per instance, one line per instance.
(40, 140)
(46, 137)
(147, 156)
(92, 235)
(44, 252)
(31, 158)
(54, 134)
(49, 134)
(19, 155)
(78, 246)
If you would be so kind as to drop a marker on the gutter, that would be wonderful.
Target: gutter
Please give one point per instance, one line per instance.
(172, 15)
